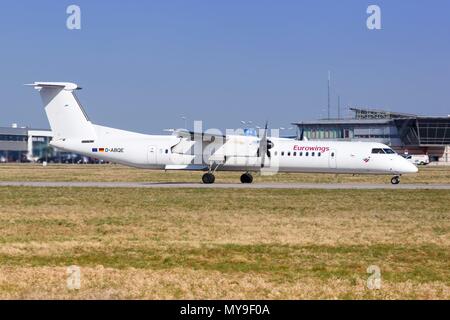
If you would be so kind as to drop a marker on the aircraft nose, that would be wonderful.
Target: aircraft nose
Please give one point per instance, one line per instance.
(408, 167)
(414, 169)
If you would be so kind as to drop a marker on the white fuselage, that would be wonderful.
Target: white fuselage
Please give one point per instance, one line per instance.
(237, 153)
(73, 131)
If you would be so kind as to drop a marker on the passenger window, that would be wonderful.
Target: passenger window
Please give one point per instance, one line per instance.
(306, 154)
(295, 153)
(332, 154)
(319, 154)
(289, 154)
(167, 151)
(312, 154)
(282, 153)
(377, 150)
(301, 154)
(275, 153)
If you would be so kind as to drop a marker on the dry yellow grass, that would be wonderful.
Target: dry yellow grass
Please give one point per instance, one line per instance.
(201, 243)
(109, 283)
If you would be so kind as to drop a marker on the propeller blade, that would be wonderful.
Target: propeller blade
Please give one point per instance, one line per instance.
(263, 150)
(302, 133)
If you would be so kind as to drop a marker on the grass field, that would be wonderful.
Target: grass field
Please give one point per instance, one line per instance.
(204, 243)
(111, 173)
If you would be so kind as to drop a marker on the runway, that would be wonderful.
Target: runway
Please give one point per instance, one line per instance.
(273, 185)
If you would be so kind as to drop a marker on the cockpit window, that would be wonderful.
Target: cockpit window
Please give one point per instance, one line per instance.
(377, 151)
(389, 151)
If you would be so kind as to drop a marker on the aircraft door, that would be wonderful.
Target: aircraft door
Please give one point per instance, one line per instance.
(332, 163)
(151, 155)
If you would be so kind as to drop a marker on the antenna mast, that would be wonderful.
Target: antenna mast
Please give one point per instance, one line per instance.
(339, 107)
(329, 80)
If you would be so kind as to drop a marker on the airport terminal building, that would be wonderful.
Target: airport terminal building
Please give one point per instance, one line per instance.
(21, 144)
(24, 144)
(405, 133)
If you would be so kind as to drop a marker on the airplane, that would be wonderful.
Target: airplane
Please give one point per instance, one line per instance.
(209, 152)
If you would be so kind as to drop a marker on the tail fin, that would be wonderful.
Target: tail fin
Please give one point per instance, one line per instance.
(65, 114)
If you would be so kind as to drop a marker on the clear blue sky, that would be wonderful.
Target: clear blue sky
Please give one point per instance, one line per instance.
(142, 64)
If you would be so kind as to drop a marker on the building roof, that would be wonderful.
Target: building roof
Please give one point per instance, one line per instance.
(21, 131)
(370, 116)
(366, 113)
(366, 121)
(13, 131)
(343, 121)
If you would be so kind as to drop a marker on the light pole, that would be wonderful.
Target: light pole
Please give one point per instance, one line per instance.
(185, 121)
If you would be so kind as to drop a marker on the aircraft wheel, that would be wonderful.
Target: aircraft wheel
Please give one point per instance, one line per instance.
(247, 178)
(208, 178)
(395, 180)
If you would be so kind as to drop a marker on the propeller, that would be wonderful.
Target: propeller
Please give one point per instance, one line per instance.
(264, 146)
(302, 134)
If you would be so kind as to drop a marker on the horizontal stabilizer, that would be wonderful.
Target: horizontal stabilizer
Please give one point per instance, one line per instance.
(63, 85)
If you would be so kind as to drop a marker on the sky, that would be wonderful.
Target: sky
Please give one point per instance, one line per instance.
(145, 64)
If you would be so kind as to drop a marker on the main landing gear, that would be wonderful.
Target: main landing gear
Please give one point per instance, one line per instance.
(208, 178)
(395, 180)
(246, 178)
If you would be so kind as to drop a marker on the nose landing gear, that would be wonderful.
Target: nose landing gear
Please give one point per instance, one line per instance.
(395, 180)
(246, 178)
